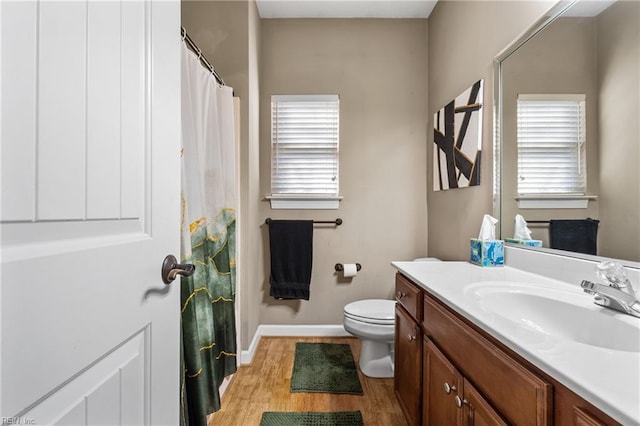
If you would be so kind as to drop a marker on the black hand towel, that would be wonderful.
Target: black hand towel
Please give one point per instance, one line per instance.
(291, 243)
(577, 235)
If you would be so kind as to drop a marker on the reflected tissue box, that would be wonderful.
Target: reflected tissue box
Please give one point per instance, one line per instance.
(487, 252)
(527, 243)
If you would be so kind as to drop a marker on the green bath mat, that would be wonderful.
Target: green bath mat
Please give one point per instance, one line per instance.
(325, 367)
(337, 418)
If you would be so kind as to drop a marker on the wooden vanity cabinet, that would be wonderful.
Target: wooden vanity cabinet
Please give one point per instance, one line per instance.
(450, 399)
(494, 384)
(408, 349)
(518, 395)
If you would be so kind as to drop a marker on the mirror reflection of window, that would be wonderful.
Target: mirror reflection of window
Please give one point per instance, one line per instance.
(592, 49)
(551, 144)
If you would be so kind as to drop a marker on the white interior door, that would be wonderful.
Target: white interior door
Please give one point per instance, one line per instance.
(90, 127)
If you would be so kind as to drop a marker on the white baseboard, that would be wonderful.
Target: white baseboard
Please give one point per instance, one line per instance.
(225, 384)
(330, 330)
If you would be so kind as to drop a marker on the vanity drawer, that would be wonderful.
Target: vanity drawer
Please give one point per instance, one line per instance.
(409, 296)
(520, 396)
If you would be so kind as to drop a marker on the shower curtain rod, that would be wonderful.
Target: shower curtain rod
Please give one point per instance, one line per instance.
(203, 60)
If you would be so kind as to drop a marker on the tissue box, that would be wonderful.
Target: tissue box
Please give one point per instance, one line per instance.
(487, 252)
(528, 243)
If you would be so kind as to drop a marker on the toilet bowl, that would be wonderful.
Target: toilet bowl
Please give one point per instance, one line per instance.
(373, 322)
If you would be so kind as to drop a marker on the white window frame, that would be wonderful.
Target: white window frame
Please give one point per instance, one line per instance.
(322, 193)
(571, 191)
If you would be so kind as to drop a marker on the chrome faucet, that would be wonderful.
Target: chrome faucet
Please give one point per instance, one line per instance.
(618, 293)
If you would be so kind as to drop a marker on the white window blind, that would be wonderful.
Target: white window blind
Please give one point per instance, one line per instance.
(551, 144)
(304, 144)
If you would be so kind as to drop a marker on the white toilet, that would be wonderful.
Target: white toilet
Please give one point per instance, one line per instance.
(373, 322)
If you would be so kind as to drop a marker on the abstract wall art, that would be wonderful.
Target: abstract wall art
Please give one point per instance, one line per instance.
(457, 141)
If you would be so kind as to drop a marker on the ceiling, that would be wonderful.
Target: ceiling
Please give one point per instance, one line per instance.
(383, 8)
(345, 8)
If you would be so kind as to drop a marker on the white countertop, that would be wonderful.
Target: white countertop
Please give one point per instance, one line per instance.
(609, 379)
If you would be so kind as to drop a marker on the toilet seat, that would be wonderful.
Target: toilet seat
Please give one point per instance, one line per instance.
(372, 311)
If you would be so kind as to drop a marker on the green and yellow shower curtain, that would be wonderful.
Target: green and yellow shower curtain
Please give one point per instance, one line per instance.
(208, 232)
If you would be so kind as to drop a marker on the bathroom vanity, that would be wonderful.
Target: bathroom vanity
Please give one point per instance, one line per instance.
(497, 346)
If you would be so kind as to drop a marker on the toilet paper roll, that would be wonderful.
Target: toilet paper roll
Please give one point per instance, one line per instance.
(350, 270)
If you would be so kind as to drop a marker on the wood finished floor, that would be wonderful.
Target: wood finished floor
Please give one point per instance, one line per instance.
(264, 386)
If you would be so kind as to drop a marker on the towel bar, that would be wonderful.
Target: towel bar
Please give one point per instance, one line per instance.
(337, 222)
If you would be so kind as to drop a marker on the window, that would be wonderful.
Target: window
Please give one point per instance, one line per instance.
(304, 151)
(551, 145)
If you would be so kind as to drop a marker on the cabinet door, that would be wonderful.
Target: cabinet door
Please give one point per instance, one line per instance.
(583, 418)
(523, 398)
(408, 372)
(441, 384)
(477, 411)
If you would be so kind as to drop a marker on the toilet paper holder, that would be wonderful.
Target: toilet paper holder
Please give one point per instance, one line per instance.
(340, 267)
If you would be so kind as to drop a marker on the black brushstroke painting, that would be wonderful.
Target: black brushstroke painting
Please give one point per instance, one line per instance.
(458, 164)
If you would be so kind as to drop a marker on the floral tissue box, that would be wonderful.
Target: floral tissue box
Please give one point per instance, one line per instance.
(487, 252)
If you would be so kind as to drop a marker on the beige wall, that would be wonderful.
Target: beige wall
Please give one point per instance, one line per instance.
(463, 39)
(618, 31)
(378, 68)
(559, 60)
(220, 29)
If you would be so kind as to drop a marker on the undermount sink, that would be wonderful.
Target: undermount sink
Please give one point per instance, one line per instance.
(565, 314)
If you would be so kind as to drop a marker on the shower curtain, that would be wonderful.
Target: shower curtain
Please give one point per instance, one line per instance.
(207, 239)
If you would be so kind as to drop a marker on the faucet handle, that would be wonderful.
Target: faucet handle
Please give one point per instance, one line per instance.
(613, 273)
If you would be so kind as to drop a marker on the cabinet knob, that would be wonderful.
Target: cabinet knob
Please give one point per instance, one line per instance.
(412, 338)
(401, 294)
(448, 388)
(460, 402)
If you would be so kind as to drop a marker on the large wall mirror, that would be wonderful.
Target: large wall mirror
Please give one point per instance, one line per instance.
(587, 55)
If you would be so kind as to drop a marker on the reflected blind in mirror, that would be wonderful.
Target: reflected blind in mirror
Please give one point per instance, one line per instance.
(304, 144)
(551, 144)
